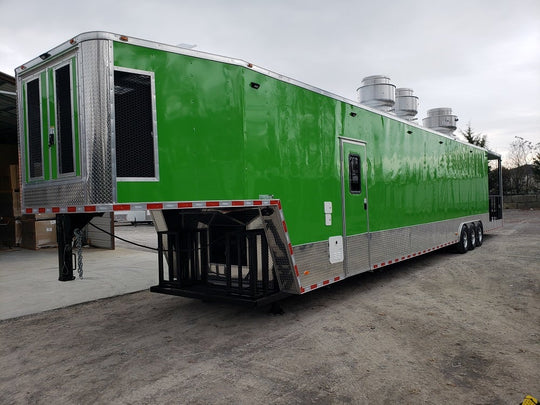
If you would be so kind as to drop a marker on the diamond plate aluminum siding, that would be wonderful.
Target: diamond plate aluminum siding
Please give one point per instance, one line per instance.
(95, 81)
(314, 265)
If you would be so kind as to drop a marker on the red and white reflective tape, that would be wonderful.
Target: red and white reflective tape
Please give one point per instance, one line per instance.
(321, 284)
(150, 206)
(411, 255)
(289, 245)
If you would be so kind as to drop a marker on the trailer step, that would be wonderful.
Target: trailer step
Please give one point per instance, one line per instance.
(221, 262)
(217, 295)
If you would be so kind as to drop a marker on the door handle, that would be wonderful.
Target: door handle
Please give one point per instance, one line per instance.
(51, 137)
(365, 204)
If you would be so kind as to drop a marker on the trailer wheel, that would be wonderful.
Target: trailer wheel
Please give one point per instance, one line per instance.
(479, 234)
(472, 236)
(463, 244)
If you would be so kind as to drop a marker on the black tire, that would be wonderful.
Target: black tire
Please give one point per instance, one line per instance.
(479, 234)
(463, 243)
(472, 236)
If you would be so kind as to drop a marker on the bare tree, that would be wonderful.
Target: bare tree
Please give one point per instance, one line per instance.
(521, 157)
(521, 152)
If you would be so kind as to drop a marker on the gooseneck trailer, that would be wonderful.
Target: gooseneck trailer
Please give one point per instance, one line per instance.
(259, 185)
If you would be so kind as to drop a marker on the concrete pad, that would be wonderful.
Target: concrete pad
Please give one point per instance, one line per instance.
(29, 279)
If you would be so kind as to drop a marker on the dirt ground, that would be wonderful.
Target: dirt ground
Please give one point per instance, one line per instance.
(443, 328)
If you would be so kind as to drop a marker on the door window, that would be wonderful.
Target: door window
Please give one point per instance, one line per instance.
(355, 186)
(64, 120)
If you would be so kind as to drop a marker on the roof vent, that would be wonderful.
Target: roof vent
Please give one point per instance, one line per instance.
(441, 119)
(406, 104)
(377, 92)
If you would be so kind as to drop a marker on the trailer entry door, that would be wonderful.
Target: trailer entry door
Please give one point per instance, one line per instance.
(355, 206)
(51, 123)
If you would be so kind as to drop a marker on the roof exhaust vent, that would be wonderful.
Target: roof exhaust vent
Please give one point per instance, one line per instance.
(442, 120)
(406, 104)
(377, 92)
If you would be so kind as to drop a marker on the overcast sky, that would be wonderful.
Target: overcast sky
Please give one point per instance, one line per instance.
(479, 57)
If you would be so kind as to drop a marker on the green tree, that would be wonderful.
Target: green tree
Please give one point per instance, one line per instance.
(474, 138)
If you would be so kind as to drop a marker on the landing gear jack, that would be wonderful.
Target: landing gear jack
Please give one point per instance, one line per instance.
(66, 224)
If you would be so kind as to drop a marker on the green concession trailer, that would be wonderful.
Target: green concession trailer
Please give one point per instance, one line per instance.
(259, 185)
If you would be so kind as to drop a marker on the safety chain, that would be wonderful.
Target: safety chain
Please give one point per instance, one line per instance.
(78, 243)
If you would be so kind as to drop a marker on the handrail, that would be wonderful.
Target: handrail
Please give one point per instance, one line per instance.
(495, 207)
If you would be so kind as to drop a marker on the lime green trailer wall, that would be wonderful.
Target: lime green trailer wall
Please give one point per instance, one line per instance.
(225, 130)
(282, 139)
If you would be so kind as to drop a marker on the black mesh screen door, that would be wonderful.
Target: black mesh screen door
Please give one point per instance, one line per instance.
(133, 125)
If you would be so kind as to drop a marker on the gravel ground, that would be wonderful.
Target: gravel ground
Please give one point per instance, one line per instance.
(443, 328)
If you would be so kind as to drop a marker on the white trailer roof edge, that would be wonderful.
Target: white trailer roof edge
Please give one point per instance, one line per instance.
(109, 36)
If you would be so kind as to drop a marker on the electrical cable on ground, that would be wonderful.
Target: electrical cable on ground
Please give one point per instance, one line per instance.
(152, 248)
(122, 239)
